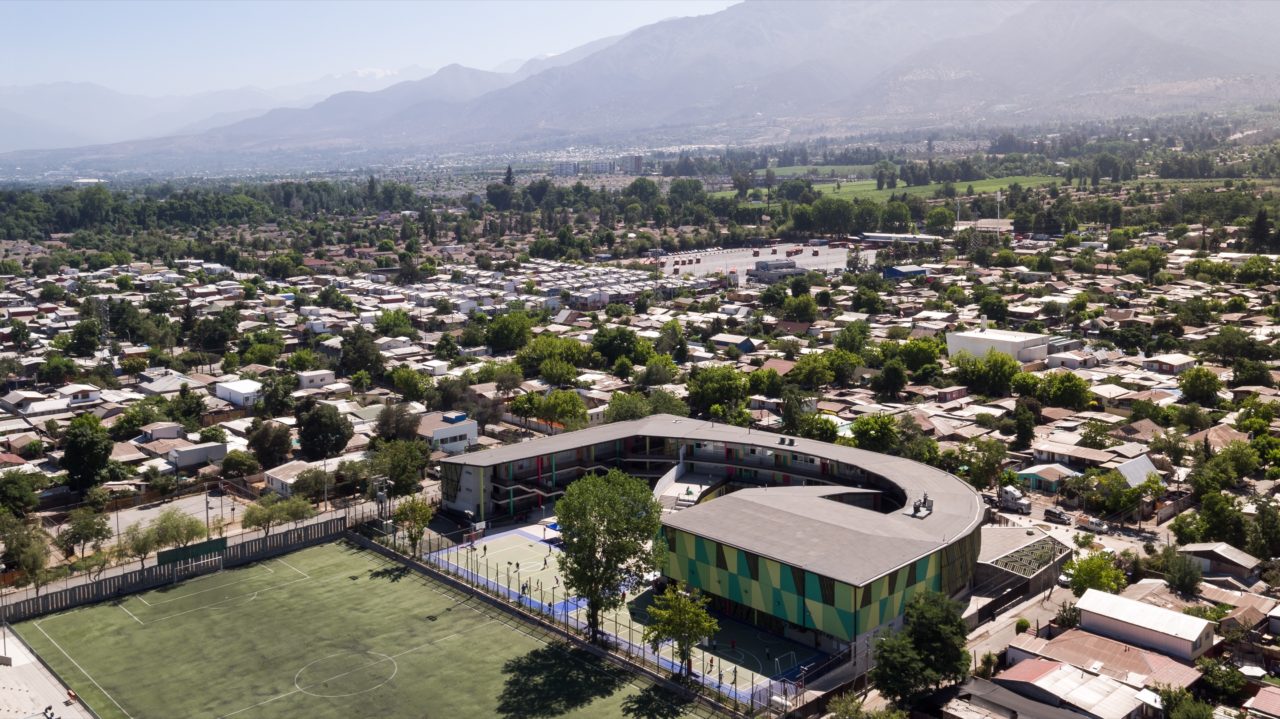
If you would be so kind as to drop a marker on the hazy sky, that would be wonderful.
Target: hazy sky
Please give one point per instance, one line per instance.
(164, 47)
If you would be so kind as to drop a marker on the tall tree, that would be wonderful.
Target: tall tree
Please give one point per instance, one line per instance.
(1181, 573)
(271, 443)
(322, 431)
(1200, 385)
(359, 353)
(1096, 571)
(899, 672)
(83, 527)
(87, 448)
(680, 616)
(401, 462)
(563, 407)
(138, 542)
(18, 492)
(415, 514)
(607, 523)
(175, 528)
(239, 463)
(1260, 229)
(397, 421)
(262, 515)
(926, 653)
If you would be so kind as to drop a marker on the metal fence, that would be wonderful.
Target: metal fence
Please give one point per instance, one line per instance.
(752, 694)
(113, 584)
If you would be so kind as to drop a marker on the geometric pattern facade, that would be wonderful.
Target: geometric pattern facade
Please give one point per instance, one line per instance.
(807, 599)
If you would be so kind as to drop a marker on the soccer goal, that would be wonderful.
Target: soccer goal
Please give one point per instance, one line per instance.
(787, 660)
(196, 567)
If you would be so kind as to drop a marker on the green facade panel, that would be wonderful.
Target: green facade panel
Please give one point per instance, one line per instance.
(797, 596)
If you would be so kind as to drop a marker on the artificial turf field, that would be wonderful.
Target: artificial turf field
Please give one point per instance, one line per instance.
(330, 631)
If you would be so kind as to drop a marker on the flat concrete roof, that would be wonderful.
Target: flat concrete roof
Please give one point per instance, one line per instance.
(870, 543)
(804, 527)
(1002, 335)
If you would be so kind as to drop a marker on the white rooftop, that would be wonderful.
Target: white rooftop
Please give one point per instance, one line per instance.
(1002, 335)
(1141, 614)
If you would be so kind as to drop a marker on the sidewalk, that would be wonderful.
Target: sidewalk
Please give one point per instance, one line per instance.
(995, 635)
(26, 688)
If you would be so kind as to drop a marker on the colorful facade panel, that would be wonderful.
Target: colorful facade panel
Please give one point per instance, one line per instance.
(810, 600)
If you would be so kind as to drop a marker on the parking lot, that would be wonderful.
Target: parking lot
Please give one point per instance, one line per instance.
(706, 262)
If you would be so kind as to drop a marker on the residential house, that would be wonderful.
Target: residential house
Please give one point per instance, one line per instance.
(1171, 633)
(1022, 346)
(315, 379)
(1174, 363)
(241, 393)
(1047, 478)
(1222, 558)
(449, 431)
(1062, 685)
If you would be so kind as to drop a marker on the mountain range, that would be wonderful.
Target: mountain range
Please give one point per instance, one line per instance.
(757, 71)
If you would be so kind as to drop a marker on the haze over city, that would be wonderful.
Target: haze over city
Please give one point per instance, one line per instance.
(640, 360)
(184, 48)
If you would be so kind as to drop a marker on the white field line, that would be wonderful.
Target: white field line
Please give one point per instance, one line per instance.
(126, 611)
(299, 571)
(352, 671)
(229, 599)
(82, 671)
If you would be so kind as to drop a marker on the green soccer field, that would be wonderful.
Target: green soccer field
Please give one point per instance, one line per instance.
(331, 631)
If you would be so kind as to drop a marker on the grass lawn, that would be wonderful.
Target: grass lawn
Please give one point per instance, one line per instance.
(866, 189)
(819, 170)
(327, 632)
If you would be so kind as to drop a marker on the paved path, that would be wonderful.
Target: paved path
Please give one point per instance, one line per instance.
(995, 635)
(26, 688)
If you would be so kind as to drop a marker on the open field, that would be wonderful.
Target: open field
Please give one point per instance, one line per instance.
(327, 632)
(866, 189)
(820, 170)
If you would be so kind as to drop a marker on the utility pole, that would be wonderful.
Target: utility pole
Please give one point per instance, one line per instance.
(4, 619)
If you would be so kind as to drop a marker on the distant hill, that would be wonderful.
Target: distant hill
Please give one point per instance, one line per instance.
(67, 114)
(764, 70)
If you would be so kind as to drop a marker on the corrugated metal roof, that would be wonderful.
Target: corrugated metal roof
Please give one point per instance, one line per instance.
(1139, 614)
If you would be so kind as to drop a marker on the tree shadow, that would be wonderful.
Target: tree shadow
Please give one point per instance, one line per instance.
(654, 702)
(391, 574)
(555, 679)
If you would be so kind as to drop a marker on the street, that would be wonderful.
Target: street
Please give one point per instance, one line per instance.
(224, 505)
(1129, 536)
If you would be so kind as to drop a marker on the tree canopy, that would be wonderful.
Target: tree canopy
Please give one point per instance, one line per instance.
(607, 523)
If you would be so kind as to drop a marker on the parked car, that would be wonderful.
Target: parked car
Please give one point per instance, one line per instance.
(1064, 579)
(1096, 526)
(1057, 516)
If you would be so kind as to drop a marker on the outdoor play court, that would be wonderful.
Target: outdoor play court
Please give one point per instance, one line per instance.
(328, 632)
(522, 564)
